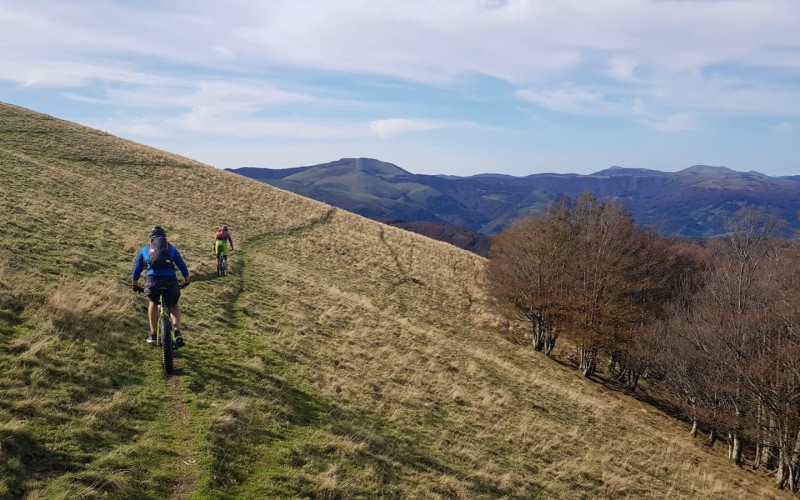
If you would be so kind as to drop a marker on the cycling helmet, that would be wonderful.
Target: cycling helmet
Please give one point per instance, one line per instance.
(157, 231)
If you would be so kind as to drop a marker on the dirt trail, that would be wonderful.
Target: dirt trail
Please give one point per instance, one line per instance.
(187, 456)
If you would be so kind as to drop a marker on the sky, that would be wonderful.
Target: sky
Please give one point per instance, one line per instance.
(456, 87)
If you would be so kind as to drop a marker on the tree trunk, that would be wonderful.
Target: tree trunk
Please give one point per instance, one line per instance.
(769, 452)
(550, 342)
(730, 445)
(737, 449)
(794, 463)
(783, 474)
(762, 437)
(768, 456)
(632, 379)
(757, 456)
(588, 361)
(538, 335)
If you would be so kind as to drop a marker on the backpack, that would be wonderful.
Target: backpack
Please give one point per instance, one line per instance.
(160, 257)
(221, 234)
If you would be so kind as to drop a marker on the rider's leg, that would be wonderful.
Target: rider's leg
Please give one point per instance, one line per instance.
(175, 313)
(152, 315)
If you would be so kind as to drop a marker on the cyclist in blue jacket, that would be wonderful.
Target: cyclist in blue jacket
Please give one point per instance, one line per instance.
(160, 257)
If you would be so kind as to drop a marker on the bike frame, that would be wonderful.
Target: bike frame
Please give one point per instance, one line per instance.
(164, 328)
(164, 334)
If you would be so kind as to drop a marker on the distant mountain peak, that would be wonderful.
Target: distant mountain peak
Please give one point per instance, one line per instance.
(372, 166)
(709, 170)
(615, 170)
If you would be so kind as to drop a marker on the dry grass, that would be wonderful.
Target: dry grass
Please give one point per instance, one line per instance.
(84, 309)
(341, 358)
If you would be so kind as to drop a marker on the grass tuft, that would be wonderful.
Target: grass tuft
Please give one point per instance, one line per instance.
(87, 309)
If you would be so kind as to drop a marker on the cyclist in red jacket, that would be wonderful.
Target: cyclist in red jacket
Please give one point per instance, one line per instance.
(221, 240)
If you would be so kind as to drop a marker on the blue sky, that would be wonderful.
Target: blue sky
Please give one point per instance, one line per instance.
(435, 86)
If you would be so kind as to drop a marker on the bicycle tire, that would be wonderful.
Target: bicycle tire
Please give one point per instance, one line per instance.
(165, 328)
(219, 265)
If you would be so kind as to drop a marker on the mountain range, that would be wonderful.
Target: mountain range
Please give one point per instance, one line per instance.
(693, 202)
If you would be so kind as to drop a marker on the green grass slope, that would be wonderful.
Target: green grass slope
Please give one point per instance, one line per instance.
(341, 358)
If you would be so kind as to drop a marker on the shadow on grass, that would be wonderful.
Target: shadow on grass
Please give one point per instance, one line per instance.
(25, 459)
(207, 276)
(314, 433)
(85, 414)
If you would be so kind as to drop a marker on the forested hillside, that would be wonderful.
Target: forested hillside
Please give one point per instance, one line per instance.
(693, 202)
(340, 358)
(710, 326)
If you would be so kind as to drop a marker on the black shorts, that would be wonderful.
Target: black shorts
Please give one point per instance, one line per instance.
(154, 286)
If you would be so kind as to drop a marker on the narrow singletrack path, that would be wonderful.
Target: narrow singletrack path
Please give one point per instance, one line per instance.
(187, 456)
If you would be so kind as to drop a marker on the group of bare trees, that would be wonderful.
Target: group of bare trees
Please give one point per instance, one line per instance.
(586, 271)
(713, 326)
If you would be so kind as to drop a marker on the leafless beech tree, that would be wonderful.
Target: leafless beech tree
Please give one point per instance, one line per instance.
(586, 271)
(526, 270)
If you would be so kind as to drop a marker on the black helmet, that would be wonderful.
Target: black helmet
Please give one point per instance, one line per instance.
(158, 231)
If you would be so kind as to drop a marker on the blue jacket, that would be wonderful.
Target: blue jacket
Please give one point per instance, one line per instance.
(142, 262)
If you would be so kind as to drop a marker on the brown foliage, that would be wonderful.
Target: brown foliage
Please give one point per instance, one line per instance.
(584, 269)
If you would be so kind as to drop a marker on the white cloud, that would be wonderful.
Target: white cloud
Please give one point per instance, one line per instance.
(679, 122)
(524, 42)
(581, 101)
(397, 126)
(230, 96)
(220, 126)
(784, 127)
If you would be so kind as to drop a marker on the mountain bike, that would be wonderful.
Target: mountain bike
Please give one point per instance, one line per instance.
(164, 331)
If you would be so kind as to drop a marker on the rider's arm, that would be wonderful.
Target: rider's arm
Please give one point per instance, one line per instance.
(178, 259)
(231, 241)
(138, 266)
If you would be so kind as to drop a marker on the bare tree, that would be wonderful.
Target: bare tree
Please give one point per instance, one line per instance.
(526, 270)
(618, 279)
(585, 270)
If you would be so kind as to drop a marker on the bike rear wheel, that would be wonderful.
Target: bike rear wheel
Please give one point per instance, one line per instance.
(165, 332)
(222, 268)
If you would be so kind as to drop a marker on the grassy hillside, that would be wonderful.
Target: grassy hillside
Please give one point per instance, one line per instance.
(341, 358)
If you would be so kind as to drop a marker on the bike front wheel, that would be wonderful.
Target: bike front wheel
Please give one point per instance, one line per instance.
(165, 328)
